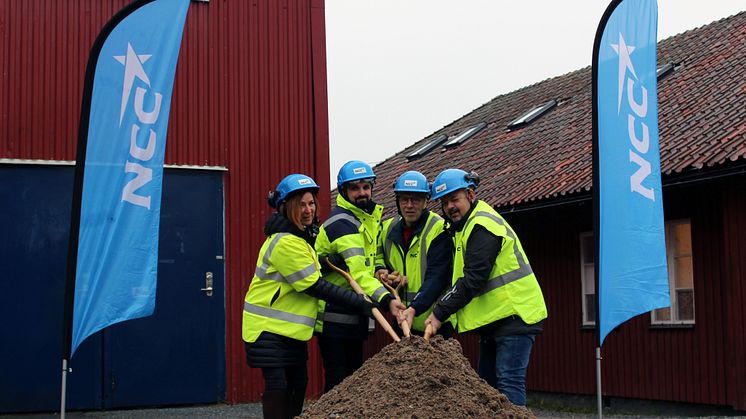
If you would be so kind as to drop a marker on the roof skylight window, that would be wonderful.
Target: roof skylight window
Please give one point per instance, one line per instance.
(532, 115)
(664, 70)
(470, 132)
(427, 147)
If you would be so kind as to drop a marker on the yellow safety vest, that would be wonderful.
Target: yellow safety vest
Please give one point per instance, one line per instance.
(413, 264)
(359, 252)
(512, 288)
(286, 265)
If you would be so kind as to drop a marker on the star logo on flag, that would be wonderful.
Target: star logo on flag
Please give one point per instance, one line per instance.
(624, 51)
(132, 68)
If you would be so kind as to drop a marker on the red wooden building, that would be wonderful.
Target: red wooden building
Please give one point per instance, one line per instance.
(249, 106)
(536, 171)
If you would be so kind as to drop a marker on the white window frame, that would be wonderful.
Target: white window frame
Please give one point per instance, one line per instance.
(670, 259)
(584, 265)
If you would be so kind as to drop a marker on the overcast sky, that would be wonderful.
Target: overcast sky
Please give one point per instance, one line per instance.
(398, 70)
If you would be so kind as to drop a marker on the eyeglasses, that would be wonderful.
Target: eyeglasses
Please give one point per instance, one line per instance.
(411, 200)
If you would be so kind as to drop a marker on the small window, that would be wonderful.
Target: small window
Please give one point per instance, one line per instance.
(588, 275)
(680, 276)
(664, 70)
(470, 132)
(532, 115)
(427, 147)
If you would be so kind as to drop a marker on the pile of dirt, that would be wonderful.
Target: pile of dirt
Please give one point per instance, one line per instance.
(415, 379)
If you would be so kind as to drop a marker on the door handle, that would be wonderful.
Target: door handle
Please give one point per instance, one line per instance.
(208, 284)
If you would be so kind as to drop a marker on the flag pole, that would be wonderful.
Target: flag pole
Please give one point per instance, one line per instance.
(72, 250)
(596, 195)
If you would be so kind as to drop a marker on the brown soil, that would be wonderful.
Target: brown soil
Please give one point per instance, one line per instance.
(415, 379)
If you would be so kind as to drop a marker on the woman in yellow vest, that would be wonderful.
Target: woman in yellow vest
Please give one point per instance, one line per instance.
(495, 292)
(281, 304)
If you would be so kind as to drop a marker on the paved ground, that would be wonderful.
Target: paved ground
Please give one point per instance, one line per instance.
(544, 405)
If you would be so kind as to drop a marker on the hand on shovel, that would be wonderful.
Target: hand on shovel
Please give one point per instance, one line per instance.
(432, 324)
(406, 317)
(403, 323)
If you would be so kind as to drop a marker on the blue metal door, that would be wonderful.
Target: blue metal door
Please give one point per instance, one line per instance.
(175, 356)
(35, 224)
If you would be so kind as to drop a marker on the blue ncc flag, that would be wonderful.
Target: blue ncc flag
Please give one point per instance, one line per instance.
(632, 270)
(126, 140)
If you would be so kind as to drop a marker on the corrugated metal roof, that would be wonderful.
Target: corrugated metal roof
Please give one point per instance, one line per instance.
(702, 124)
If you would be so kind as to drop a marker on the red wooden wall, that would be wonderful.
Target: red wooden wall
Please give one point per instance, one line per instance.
(249, 95)
(700, 364)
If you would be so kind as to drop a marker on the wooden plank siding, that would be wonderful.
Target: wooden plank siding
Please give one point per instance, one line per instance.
(697, 364)
(734, 268)
(249, 95)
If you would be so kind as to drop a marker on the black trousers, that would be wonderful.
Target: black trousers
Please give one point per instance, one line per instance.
(341, 358)
(291, 378)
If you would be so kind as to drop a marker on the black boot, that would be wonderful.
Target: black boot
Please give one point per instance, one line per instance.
(295, 403)
(275, 404)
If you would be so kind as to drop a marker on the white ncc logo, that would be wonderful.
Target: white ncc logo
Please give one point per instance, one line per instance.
(639, 146)
(138, 156)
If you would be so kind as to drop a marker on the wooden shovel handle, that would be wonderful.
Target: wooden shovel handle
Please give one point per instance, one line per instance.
(393, 292)
(406, 330)
(428, 331)
(376, 312)
(404, 324)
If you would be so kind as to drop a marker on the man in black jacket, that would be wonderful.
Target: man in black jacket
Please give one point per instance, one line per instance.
(495, 291)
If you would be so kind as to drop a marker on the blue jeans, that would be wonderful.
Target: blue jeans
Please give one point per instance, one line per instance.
(503, 362)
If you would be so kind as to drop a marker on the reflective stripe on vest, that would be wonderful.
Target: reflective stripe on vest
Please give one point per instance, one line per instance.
(341, 318)
(378, 293)
(261, 271)
(423, 248)
(389, 243)
(342, 216)
(508, 277)
(278, 315)
(354, 251)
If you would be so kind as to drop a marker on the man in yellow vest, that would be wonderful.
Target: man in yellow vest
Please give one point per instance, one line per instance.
(495, 292)
(415, 244)
(350, 234)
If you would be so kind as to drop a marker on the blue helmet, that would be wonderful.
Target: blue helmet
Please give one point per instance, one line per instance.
(291, 184)
(412, 181)
(354, 170)
(451, 180)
